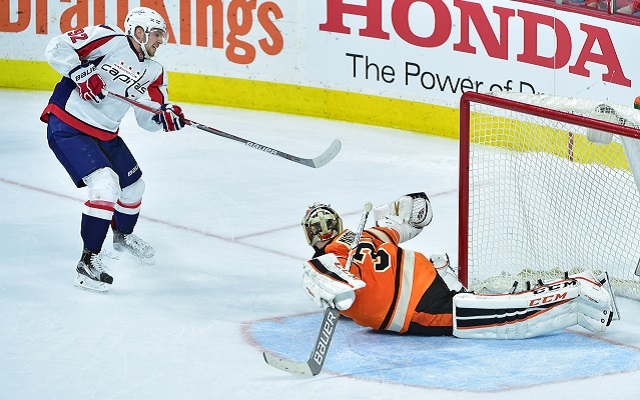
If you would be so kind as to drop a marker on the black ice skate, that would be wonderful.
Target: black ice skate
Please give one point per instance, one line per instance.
(91, 272)
(134, 246)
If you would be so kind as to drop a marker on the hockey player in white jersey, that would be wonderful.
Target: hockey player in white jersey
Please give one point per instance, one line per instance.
(83, 128)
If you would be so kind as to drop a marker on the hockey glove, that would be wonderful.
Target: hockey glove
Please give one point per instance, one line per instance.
(328, 284)
(171, 118)
(90, 84)
(408, 215)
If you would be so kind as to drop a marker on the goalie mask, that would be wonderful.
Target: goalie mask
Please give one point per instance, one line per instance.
(150, 21)
(321, 222)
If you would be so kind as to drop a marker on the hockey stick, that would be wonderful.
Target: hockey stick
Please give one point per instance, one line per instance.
(314, 364)
(317, 162)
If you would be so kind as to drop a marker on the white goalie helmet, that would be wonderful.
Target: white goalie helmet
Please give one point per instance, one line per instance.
(147, 19)
(321, 222)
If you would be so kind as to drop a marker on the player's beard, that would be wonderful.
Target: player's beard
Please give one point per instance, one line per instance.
(151, 51)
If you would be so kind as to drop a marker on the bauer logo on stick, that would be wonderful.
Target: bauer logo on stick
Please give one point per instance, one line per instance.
(262, 148)
(325, 339)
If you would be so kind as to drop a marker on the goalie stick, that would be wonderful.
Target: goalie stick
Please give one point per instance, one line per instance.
(314, 364)
(329, 154)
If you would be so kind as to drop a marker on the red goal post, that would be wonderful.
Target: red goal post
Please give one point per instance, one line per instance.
(546, 186)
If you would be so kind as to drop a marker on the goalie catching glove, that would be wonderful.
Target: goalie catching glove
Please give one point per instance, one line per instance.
(407, 215)
(328, 284)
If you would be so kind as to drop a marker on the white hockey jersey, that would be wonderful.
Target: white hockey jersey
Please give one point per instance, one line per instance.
(124, 71)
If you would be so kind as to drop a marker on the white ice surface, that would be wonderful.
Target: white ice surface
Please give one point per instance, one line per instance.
(224, 220)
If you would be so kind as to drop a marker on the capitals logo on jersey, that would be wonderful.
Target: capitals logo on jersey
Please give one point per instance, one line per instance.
(128, 75)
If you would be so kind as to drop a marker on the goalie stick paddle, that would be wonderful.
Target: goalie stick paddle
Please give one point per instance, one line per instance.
(329, 154)
(314, 364)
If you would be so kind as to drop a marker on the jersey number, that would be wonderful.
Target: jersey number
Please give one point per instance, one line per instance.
(77, 35)
(381, 259)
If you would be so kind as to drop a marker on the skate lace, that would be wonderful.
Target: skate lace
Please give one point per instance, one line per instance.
(135, 242)
(97, 264)
(138, 245)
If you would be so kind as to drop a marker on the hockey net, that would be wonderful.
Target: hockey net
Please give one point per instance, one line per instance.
(546, 186)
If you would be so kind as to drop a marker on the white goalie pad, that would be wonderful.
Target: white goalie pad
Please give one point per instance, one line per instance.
(407, 215)
(328, 284)
(578, 300)
(595, 304)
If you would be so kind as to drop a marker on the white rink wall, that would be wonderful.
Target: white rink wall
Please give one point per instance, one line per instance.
(422, 51)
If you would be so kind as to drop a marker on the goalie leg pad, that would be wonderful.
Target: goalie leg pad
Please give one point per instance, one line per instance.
(595, 304)
(578, 300)
(514, 316)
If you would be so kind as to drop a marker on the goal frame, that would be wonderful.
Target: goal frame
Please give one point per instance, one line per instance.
(466, 101)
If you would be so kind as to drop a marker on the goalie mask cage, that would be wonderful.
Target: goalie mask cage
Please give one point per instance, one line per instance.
(546, 186)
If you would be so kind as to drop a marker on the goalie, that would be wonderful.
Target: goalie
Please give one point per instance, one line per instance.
(389, 288)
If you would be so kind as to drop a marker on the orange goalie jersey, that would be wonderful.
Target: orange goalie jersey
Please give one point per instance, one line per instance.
(404, 292)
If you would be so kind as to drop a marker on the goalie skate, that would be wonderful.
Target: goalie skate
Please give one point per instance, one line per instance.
(91, 274)
(133, 246)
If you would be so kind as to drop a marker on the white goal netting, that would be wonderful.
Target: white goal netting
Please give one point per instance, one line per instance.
(547, 196)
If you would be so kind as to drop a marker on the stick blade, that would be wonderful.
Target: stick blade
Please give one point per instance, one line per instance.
(329, 154)
(288, 366)
(314, 364)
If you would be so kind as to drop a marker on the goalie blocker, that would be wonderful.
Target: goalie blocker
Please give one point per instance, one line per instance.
(575, 300)
(328, 283)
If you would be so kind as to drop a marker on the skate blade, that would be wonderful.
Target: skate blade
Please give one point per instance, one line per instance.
(140, 260)
(86, 283)
(110, 254)
(146, 261)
